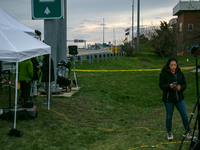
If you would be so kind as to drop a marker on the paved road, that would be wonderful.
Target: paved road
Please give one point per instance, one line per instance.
(89, 51)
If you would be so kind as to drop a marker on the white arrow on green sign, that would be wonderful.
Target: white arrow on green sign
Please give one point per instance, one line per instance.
(47, 9)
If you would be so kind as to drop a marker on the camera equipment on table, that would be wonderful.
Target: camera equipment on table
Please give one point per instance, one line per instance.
(25, 109)
(63, 75)
(7, 82)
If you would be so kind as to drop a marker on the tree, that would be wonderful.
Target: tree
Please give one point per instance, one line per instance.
(128, 49)
(143, 39)
(164, 40)
(150, 30)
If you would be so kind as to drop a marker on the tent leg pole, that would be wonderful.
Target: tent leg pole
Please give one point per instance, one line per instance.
(16, 81)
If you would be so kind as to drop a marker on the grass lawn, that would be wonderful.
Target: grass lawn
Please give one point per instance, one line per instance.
(111, 111)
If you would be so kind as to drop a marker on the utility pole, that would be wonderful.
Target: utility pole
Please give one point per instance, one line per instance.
(138, 27)
(132, 22)
(114, 38)
(103, 30)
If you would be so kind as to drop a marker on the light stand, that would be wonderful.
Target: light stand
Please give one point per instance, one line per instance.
(76, 83)
(195, 144)
(73, 51)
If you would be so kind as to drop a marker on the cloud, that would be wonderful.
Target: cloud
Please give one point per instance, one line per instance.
(102, 24)
(85, 17)
(157, 18)
(90, 21)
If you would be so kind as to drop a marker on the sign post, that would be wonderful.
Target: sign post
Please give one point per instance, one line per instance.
(53, 12)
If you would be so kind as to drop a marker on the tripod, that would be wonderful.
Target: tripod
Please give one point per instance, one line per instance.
(74, 59)
(73, 51)
(195, 143)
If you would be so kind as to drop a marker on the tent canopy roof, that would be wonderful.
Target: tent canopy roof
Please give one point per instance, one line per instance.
(17, 46)
(6, 19)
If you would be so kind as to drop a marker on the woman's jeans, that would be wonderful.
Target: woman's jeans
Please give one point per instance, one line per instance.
(169, 113)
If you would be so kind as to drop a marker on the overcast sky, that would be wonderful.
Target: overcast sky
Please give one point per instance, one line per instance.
(85, 17)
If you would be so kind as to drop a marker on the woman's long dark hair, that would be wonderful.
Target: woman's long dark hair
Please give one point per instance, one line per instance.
(169, 61)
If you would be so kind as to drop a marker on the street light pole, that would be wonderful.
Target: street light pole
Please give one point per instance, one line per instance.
(132, 22)
(103, 30)
(138, 27)
(113, 36)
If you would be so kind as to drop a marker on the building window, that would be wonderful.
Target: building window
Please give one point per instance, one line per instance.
(180, 27)
(190, 26)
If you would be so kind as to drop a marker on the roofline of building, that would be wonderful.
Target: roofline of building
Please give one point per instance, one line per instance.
(186, 6)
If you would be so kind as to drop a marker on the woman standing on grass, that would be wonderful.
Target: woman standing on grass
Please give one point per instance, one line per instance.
(172, 82)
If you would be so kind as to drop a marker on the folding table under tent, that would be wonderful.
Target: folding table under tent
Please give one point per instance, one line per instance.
(17, 46)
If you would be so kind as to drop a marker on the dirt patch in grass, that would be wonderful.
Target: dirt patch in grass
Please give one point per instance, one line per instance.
(144, 59)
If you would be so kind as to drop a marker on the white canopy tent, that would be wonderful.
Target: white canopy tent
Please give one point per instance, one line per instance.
(8, 20)
(17, 46)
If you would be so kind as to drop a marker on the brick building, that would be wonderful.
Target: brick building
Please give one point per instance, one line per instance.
(187, 25)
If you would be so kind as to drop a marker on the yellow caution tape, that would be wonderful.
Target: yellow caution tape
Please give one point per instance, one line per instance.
(105, 130)
(111, 130)
(158, 145)
(82, 70)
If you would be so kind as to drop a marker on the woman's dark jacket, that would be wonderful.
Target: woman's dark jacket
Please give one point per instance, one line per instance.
(45, 69)
(166, 78)
(35, 69)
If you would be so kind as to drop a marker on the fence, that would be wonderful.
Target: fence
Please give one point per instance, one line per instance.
(103, 56)
(91, 57)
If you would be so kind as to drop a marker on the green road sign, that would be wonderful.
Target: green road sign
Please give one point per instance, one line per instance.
(47, 9)
(104, 45)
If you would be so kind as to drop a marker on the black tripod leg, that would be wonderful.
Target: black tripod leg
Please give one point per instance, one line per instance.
(197, 102)
(193, 133)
